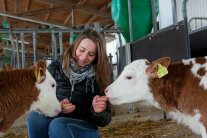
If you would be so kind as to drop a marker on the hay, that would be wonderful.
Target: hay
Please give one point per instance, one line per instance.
(129, 129)
(141, 129)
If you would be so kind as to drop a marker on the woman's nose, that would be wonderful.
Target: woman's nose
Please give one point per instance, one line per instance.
(84, 56)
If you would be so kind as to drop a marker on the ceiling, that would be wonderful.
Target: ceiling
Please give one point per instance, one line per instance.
(21, 14)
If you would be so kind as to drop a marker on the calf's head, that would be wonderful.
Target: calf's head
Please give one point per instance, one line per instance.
(47, 102)
(132, 84)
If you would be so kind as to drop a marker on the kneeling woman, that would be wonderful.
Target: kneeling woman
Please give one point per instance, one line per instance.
(82, 74)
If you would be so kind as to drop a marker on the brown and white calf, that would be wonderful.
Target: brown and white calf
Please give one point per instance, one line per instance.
(182, 92)
(23, 90)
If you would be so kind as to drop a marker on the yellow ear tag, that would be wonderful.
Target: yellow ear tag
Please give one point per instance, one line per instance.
(162, 71)
(38, 76)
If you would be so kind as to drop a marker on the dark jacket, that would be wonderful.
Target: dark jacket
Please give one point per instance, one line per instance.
(82, 99)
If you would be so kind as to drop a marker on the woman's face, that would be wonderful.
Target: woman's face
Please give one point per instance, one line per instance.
(85, 52)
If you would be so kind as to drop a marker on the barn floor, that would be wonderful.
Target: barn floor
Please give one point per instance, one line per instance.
(145, 124)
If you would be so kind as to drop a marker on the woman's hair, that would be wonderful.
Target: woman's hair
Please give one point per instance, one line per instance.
(101, 63)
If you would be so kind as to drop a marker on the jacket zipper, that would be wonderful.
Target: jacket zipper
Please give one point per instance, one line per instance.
(71, 93)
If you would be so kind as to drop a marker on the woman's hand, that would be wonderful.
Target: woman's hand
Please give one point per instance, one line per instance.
(99, 103)
(67, 106)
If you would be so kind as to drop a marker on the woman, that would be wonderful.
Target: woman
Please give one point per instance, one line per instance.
(82, 74)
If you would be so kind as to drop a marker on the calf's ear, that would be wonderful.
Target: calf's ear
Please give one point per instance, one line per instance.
(8, 67)
(153, 68)
(40, 71)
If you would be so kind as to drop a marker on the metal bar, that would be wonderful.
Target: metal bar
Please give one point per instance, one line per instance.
(118, 51)
(54, 44)
(30, 20)
(111, 66)
(17, 47)
(104, 38)
(184, 10)
(34, 35)
(56, 30)
(97, 27)
(71, 38)
(61, 42)
(154, 19)
(174, 12)
(13, 45)
(128, 53)
(130, 20)
(23, 50)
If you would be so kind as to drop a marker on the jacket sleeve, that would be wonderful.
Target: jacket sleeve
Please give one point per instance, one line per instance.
(101, 119)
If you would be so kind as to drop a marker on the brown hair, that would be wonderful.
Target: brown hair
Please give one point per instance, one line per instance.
(101, 63)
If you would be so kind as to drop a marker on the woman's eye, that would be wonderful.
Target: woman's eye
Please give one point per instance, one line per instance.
(91, 55)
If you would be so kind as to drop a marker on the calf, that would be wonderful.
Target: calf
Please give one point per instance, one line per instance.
(23, 90)
(182, 92)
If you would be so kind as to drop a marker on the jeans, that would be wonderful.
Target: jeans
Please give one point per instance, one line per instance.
(40, 126)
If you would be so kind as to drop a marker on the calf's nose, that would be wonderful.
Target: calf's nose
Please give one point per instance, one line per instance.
(106, 90)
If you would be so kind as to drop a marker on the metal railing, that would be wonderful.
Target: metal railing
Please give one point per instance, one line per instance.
(196, 23)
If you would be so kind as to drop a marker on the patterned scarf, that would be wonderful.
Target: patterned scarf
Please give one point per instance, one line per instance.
(79, 74)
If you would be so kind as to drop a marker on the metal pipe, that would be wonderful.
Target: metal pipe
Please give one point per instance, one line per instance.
(23, 50)
(54, 44)
(119, 52)
(130, 20)
(71, 38)
(13, 46)
(128, 53)
(34, 35)
(154, 19)
(17, 47)
(56, 30)
(61, 42)
(30, 20)
(174, 12)
(184, 10)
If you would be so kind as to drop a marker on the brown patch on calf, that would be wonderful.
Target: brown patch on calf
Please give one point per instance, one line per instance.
(180, 90)
(17, 92)
(200, 60)
(201, 72)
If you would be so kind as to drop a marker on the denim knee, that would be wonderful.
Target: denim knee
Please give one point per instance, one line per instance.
(37, 125)
(72, 128)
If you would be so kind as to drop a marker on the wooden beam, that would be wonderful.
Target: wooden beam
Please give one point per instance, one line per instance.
(48, 14)
(80, 8)
(80, 2)
(15, 6)
(33, 20)
(101, 9)
(59, 2)
(93, 11)
(44, 11)
(27, 6)
(5, 9)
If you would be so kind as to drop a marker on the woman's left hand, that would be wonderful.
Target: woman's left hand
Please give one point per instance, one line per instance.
(99, 103)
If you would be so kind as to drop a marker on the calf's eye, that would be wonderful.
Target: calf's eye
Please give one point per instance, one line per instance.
(53, 85)
(129, 77)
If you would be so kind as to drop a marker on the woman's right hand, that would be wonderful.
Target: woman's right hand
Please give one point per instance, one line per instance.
(67, 106)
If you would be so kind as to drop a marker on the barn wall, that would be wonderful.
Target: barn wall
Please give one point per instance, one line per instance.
(198, 43)
(166, 42)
